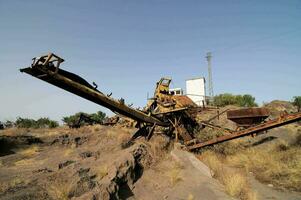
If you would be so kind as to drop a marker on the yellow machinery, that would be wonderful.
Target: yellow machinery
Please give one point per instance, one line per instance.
(165, 101)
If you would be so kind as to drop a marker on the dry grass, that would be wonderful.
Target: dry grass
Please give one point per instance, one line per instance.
(68, 152)
(159, 146)
(111, 134)
(31, 151)
(15, 131)
(102, 171)
(3, 187)
(96, 128)
(174, 174)
(85, 129)
(190, 197)
(124, 138)
(60, 190)
(236, 185)
(278, 164)
(235, 182)
(213, 162)
(13, 183)
(24, 162)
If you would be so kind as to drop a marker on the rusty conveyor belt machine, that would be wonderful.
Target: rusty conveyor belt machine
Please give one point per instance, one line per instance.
(46, 68)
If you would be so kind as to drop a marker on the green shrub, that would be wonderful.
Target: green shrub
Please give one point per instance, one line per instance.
(93, 118)
(9, 124)
(297, 102)
(72, 119)
(98, 117)
(43, 122)
(245, 100)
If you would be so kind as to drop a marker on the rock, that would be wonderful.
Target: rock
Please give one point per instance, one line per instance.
(86, 154)
(124, 174)
(83, 172)
(80, 140)
(62, 139)
(42, 170)
(64, 164)
(66, 139)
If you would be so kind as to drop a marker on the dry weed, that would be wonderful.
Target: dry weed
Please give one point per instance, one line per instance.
(15, 131)
(60, 190)
(31, 151)
(175, 173)
(111, 134)
(213, 162)
(3, 187)
(190, 197)
(124, 138)
(235, 183)
(96, 128)
(102, 171)
(13, 183)
(159, 146)
(24, 162)
(68, 152)
(86, 129)
(250, 195)
(278, 164)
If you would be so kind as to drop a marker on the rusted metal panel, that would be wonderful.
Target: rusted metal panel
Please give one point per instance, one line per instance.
(248, 116)
(280, 121)
(184, 101)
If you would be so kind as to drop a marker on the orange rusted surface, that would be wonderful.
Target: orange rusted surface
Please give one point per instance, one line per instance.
(248, 116)
(184, 101)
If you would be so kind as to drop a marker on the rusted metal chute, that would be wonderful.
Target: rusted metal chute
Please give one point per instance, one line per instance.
(160, 111)
(280, 121)
(246, 117)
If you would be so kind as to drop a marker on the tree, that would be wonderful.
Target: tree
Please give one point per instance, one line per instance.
(25, 123)
(93, 118)
(245, 100)
(9, 124)
(43, 122)
(224, 99)
(297, 102)
(98, 117)
(73, 119)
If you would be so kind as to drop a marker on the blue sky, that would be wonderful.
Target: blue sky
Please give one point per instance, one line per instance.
(126, 46)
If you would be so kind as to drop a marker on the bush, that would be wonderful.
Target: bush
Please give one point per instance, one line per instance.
(9, 124)
(40, 123)
(245, 100)
(98, 117)
(93, 118)
(72, 119)
(297, 102)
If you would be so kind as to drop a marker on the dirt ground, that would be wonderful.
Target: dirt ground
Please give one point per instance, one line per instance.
(95, 162)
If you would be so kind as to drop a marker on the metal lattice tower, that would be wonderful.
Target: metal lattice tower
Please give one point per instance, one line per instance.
(210, 82)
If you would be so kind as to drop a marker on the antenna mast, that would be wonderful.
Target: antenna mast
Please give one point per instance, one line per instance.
(210, 82)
